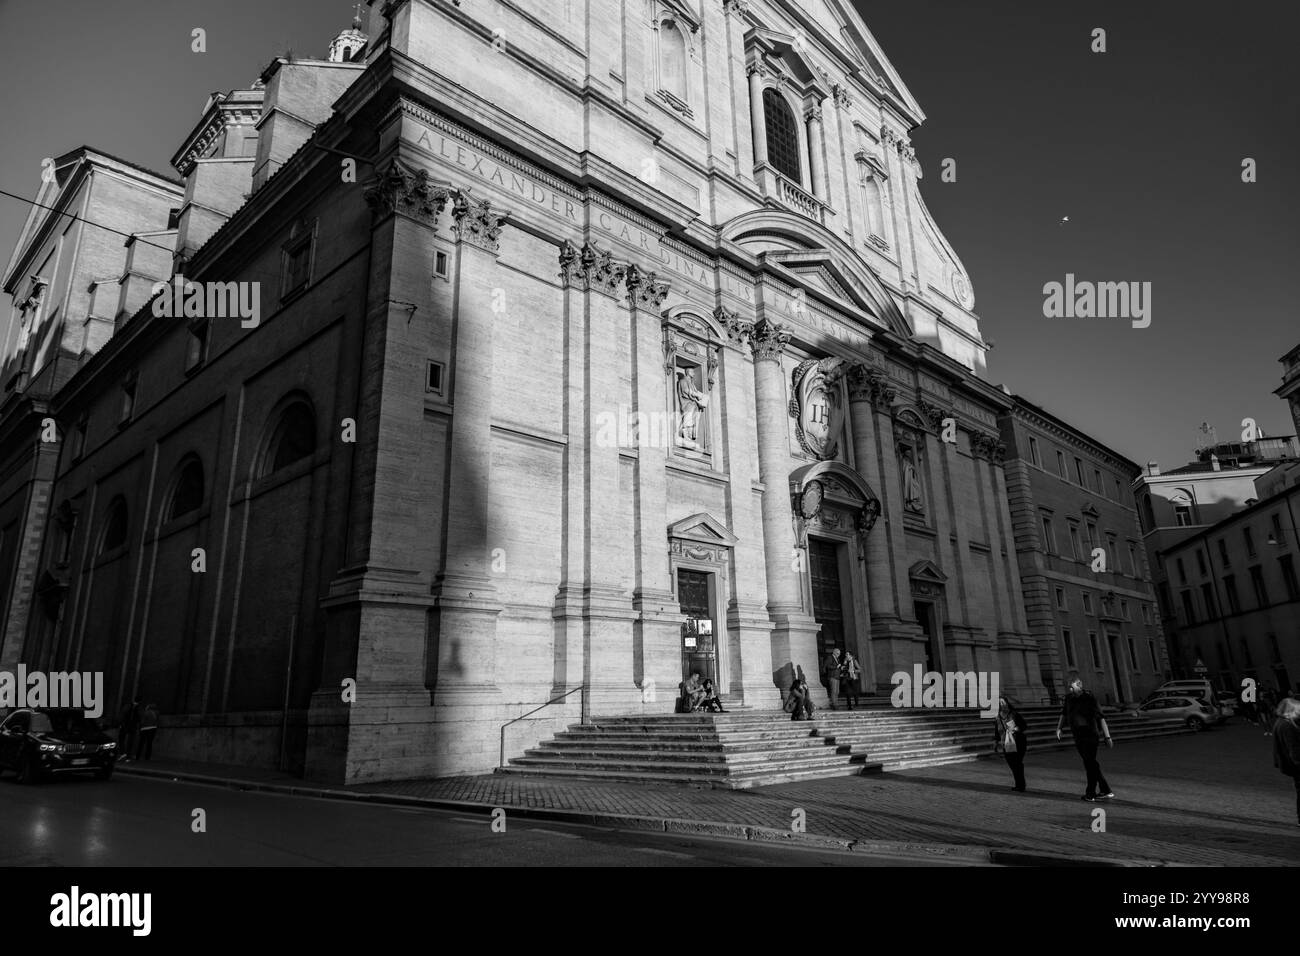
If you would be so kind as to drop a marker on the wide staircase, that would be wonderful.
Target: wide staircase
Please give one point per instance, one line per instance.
(748, 749)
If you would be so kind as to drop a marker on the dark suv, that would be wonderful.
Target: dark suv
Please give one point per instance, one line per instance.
(36, 742)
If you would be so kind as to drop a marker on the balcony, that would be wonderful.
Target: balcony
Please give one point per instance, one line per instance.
(787, 193)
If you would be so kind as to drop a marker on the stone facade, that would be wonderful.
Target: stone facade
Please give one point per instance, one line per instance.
(631, 350)
(1091, 613)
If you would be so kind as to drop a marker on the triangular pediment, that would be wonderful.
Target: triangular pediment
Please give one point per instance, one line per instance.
(702, 527)
(821, 278)
(927, 570)
(1090, 511)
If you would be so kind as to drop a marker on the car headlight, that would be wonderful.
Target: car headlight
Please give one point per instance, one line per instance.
(46, 748)
(108, 746)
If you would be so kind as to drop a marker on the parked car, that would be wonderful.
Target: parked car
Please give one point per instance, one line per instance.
(1196, 689)
(1227, 702)
(1196, 713)
(41, 741)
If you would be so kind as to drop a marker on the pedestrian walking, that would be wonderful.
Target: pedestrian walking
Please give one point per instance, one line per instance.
(1010, 738)
(831, 674)
(850, 671)
(1286, 744)
(1267, 703)
(128, 731)
(1082, 714)
(148, 727)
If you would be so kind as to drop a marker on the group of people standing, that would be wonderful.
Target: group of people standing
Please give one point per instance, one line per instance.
(136, 730)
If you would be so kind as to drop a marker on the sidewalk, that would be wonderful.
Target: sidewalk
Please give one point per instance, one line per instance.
(1210, 799)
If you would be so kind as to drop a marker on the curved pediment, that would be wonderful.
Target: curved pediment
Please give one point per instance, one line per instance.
(810, 255)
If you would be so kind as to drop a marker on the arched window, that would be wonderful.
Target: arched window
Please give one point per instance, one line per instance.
(187, 490)
(293, 439)
(782, 134)
(115, 526)
(672, 59)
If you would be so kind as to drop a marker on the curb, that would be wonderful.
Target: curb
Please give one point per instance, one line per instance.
(733, 831)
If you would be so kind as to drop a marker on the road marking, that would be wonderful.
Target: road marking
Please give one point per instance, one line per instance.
(567, 836)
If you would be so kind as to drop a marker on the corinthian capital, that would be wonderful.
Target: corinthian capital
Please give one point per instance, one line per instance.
(397, 188)
(739, 331)
(769, 340)
(644, 288)
(476, 222)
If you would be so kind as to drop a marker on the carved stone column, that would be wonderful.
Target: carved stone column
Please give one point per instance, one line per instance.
(593, 613)
(656, 631)
(794, 637)
(748, 623)
(815, 156)
(465, 619)
(757, 118)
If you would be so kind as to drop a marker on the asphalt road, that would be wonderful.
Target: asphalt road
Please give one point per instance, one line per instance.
(136, 821)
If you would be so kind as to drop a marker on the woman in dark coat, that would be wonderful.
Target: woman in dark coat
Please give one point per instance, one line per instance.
(799, 701)
(1286, 744)
(1009, 737)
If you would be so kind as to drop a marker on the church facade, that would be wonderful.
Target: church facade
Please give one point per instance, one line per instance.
(601, 343)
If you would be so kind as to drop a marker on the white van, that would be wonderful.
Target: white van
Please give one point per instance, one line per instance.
(1202, 689)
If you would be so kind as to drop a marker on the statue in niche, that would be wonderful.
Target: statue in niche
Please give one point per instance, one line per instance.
(913, 500)
(691, 402)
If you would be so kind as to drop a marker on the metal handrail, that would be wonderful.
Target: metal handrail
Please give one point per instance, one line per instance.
(553, 700)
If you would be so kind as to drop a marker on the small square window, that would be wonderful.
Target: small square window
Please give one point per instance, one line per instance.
(440, 264)
(433, 378)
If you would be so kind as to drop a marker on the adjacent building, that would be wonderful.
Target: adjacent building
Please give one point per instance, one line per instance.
(1083, 566)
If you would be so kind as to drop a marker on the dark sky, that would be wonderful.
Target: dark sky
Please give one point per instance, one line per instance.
(1140, 146)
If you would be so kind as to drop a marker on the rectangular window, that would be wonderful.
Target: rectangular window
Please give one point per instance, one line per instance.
(1250, 541)
(1049, 535)
(1087, 602)
(1146, 614)
(1230, 594)
(1092, 537)
(1182, 572)
(196, 346)
(1060, 465)
(1112, 554)
(433, 381)
(1288, 577)
(1078, 472)
(1189, 607)
(1276, 537)
(1207, 598)
(1223, 553)
(1033, 452)
(1119, 491)
(1200, 562)
(1123, 610)
(1076, 550)
(1183, 515)
(128, 399)
(297, 264)
(1133, 570)
(1101, 488)
(1133, 653)
(1096, 650)
(78, 445)
(1060, 599)
(1068, 640)
(1257, 583)
(440, 264)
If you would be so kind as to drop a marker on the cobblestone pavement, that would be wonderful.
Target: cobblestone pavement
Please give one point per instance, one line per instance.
(1206, 799)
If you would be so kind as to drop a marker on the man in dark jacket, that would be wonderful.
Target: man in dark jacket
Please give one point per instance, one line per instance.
(128, 731)
(1082, 714)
